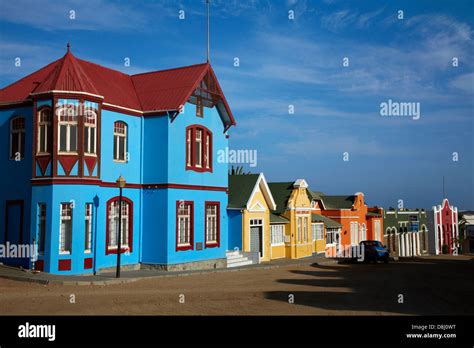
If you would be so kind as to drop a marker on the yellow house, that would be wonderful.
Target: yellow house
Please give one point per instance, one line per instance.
(250, 203)
(293, 206)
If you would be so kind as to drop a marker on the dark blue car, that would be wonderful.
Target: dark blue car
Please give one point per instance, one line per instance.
(374, 251)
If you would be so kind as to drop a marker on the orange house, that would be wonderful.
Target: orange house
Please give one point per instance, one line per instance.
(358, 221)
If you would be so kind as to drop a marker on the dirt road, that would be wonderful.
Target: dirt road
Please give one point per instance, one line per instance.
(424, 286)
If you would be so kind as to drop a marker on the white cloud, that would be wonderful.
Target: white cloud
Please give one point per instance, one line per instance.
(464, 82)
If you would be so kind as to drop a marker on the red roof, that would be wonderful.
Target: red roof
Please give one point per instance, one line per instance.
(163, 90)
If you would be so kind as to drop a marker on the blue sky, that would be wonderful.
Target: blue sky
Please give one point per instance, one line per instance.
(296, 62)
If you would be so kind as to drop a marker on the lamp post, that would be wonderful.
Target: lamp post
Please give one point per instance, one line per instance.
(121, 184)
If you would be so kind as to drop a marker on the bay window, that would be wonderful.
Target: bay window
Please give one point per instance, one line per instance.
(198, 149)
(45, 141)
(17, 138)
(184, 225)
(212, 224)
(67, 129)
(90, 132)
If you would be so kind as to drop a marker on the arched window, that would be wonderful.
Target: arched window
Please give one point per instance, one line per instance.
(113, 225)
(67, 129)
(198, 149)
(120, 141)
(90, 132)
(45, 139)
(17, 138)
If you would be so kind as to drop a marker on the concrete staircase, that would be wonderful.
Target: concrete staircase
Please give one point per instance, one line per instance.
(236, 259)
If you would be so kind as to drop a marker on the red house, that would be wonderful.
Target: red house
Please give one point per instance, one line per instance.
(446, 231)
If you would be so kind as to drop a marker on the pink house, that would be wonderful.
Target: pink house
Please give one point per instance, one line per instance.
(446, 231)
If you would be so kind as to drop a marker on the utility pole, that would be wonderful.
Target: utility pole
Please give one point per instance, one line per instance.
(208, 2)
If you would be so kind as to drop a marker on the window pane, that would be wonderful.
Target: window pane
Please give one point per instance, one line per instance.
(208, 144)
(198, 154)
(115, 147)
(122, 148)
(42, 138)
(86, 139)
(73, 138)
(92, 146)
(49, 138)
(62, 138)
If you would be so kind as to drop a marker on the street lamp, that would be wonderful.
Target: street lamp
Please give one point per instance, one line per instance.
(121, 184)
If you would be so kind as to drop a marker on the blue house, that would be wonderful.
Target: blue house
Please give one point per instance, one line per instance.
(70, 129)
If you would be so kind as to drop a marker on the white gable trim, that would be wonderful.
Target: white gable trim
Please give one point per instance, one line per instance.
(258, 208)
(262, 185)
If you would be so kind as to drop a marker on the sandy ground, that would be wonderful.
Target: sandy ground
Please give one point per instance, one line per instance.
(428, 286)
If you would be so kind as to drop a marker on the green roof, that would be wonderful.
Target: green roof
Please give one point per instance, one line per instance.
(338, 202)
(329, 223)
(277, 219)
(315, 195)
(240, 189)
(372, 213)
(281, 192)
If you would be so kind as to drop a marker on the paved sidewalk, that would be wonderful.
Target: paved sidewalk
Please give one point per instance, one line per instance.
(108, 278)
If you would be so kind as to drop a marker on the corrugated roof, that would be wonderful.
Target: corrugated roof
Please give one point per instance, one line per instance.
(327, 221)
(338, 202)
(277, 219)
(164, 90)
(240, 189)
(281, 192)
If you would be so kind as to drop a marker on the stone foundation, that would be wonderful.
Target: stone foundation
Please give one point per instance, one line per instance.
(189, 266)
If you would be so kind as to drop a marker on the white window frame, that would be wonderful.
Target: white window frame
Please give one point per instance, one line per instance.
(212, 223)
(69, 112)
(90, 128)
(317, 231)
(305, 230)
(65, 231)
(189, 146)
(88, 228)
(185, 215)
(198, 147)
(299, 229)
(117, 136)
(113, 219)
(354, 233)
(21, 137)
(44, 125)
(377, 229)
(277, 235)
(208, 140)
